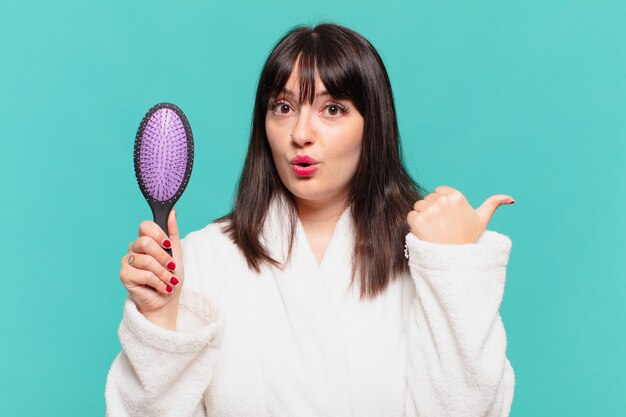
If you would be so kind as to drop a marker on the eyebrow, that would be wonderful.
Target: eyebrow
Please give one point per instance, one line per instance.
(291, 93)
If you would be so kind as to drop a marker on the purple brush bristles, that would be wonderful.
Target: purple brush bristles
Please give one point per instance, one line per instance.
(163, 154)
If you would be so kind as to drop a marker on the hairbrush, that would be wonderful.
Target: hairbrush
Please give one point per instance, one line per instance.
(163, 158)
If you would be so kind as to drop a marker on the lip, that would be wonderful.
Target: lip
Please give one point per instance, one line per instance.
(303, 159)
(304, 165)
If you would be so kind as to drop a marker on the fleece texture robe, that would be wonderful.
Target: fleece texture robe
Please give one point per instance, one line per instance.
(298, 342)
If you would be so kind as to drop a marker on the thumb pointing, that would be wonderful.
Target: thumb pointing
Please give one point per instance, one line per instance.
(488, 208)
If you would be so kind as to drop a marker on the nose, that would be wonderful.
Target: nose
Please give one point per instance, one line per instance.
(302, 131)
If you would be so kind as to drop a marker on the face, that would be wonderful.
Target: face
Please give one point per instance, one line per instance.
(316, 148)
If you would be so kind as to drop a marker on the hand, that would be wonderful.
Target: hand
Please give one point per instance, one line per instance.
(446, 216)
(153, 278)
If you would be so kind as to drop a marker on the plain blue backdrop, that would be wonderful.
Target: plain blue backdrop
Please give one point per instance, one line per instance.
(523, 98)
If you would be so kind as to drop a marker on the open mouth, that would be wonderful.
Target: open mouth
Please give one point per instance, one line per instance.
(304, 166)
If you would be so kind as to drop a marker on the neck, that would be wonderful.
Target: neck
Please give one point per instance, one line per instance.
(319, 220)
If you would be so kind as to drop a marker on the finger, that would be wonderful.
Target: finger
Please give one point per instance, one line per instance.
(147, 245)
(432, 197)
(445, 190)
(172, 225)
(147, 262)
(421, 205)
(489, 206)
(132, 277)
(153, 230)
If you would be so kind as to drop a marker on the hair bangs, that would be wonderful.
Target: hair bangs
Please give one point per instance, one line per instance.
(314, 55)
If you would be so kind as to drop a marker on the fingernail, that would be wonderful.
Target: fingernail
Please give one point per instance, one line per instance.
(168, 288)
(171, 266)
(509, 201)
(174, 281)
(167, 244)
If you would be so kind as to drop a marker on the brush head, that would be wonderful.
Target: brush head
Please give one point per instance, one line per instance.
(163, 154)
(163, 159)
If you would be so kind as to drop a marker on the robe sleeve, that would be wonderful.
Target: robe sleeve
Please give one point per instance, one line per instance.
(162, 372)
(457, 342)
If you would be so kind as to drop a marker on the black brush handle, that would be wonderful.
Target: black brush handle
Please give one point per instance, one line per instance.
(161, 212)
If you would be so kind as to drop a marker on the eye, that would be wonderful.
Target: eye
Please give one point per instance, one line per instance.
(280, 107)
(335, 109)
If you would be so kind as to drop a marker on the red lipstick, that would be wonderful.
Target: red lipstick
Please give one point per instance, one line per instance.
(304, 166)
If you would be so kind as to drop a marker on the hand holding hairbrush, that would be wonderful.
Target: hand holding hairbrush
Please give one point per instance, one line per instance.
(163, 157)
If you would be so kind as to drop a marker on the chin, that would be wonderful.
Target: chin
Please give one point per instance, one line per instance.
(315, 194)
(307, 193)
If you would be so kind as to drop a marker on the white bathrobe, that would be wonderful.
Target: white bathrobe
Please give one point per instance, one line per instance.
(297, 343)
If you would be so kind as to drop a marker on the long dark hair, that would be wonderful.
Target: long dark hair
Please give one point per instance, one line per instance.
(381, 193)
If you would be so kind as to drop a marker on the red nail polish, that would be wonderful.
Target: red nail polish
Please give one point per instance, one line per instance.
(174, 281)
(167, 244)
(171, 266)
(168, 288)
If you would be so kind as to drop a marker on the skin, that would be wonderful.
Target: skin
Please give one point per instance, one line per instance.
(331, 132)
(333, 138)
(148, 277)
(446, 216)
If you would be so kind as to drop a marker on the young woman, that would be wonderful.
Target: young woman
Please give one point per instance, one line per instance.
(301, 301)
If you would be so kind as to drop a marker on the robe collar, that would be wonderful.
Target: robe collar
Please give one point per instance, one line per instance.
(275, 236)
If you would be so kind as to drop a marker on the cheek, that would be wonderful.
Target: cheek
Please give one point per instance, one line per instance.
(350, 152)
(345, 162)
(353, 159)
(349, 156)
(272, 139)
(279, 148)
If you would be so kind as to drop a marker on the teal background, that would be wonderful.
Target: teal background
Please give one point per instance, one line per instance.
(526, 98)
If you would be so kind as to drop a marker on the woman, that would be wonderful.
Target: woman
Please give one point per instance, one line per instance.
(301, 302)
